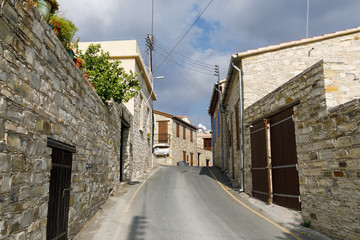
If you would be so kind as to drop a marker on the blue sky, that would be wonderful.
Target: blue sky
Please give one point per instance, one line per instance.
(227, 27)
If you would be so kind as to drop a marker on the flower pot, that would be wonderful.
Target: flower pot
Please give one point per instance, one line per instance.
(71, 53)
(78, 62)
(55, 26)
(44, 8)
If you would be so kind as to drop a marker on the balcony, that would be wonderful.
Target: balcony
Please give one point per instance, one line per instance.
(162, 140)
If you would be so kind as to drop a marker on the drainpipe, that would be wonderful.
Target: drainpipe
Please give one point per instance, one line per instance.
(226, 143)
(242, 128)
(222, 138)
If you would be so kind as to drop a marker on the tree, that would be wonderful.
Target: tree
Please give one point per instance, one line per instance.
(108, 77)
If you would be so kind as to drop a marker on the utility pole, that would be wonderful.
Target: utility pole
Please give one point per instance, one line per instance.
(217, 73)
(150, 45)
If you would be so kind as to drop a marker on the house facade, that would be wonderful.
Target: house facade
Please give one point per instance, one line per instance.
(295, 118)
(175, 139)
(140, 107)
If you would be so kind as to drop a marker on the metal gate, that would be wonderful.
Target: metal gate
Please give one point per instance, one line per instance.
(259, 162)
(274, 161)
(284, 161)
(59, 192)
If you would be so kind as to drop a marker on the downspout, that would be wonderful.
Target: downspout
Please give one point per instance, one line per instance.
(222, 138)
(242, 127)
(226, 143)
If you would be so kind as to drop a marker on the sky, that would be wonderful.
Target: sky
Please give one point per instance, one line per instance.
(225, 28)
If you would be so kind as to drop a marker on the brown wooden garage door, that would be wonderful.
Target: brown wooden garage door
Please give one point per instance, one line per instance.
(259, 162)
(281, 184)
(285, 177)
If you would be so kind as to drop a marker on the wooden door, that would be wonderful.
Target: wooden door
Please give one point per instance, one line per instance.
(259, 162)
(191, 159)
(285, 176)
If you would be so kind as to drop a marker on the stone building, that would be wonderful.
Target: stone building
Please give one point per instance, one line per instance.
(140, 107)
(60, 145)
(217, 117)
(174, 140)
(295, 117)
(204, 149)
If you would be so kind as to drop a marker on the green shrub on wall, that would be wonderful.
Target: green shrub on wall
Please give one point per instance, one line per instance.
(109, 79)
(67, 29)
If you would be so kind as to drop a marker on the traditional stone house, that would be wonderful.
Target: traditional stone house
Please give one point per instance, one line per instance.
(204, 149)
(174, 140)
(140, 107)
(297, 123)
(62, 150)
(217, 117)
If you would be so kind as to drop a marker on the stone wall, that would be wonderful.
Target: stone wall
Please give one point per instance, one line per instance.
(179, 144)
(270, 67)
(327, 142)
(43, 94)
(218, 155)
(204, 156)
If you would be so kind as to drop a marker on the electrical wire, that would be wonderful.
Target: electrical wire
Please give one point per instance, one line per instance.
(184, 35)
(187, 77)
(164, 53)
(182, 57)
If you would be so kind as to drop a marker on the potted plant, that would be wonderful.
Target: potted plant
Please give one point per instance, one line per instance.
(46, 7)
(75, 47)
(67, 31)
(55, 26)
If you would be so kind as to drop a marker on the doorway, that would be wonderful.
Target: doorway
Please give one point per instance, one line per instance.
(59, 191)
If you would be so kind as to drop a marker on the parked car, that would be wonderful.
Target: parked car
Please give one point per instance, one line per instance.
(182, 163)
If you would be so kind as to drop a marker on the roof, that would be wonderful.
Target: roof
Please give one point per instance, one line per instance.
(296, 43)
(214, 97)
(237, 57)
(178, 119)
(163, 114)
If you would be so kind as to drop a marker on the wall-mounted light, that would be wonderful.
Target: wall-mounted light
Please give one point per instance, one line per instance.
(355, 77)
(310, 51)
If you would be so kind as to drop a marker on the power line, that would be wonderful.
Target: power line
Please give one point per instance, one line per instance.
(188, 61)
(205, 71)
(189, 80)
(185, 34)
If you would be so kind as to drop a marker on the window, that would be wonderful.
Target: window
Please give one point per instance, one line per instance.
(184, 132)
(207, 143)
(177, 130)
(191, 135)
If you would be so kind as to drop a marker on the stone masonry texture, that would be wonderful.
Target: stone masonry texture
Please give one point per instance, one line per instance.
(327, 142)
(43, 94)
(265, 74)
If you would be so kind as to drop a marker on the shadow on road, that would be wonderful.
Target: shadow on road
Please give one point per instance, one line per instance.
(221, 177)
(137, 229)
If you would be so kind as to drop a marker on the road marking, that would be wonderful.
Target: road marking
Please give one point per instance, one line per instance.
(252, 210)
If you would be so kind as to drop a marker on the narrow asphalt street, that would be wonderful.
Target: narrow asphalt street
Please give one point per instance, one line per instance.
(179, 203)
